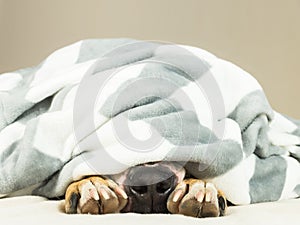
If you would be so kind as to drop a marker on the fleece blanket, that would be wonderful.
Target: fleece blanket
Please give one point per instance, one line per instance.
(102, 106)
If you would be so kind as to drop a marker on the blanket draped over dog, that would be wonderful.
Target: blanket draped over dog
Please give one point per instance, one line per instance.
(102, 106)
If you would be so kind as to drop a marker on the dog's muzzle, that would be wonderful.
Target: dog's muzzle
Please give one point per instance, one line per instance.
(148, 187)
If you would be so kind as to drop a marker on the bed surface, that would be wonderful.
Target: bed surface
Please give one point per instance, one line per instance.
(37, 210)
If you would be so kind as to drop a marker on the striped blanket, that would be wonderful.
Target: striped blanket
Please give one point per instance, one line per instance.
(102, 106)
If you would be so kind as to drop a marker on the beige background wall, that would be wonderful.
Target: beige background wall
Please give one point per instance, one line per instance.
(261, 36)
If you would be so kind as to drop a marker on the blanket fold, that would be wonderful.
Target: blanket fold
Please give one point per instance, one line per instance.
(102, 106)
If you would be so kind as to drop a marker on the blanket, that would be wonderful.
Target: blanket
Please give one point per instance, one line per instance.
(102, 106)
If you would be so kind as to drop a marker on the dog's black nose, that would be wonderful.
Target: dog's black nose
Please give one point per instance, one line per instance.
(160, 188)
(148, 188)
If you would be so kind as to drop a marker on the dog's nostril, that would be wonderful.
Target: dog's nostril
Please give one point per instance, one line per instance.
(139, 189)
(164, 186)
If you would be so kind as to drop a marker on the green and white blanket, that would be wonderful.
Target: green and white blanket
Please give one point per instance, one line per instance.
(102, 106)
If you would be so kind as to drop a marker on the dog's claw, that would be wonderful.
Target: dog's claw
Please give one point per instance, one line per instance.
(208, 197)
(200, 196)
(177, 195)
(179, 192)
(88, 191)
(103, 193)
(120, 191)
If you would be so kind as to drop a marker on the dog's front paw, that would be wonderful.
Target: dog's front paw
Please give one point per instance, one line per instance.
(94, 195)
(197, 198)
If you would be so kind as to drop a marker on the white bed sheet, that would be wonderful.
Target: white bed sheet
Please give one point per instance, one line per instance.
(37, 210)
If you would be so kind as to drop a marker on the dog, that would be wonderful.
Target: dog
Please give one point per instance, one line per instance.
(158, 187)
